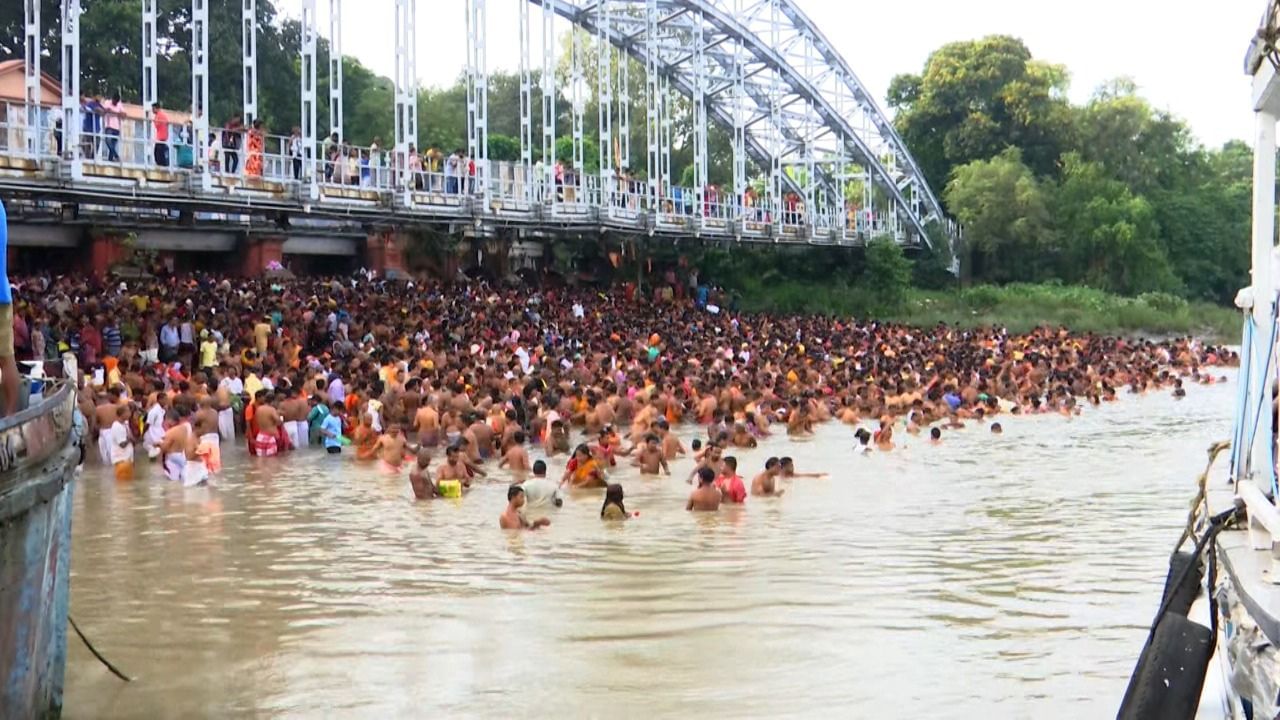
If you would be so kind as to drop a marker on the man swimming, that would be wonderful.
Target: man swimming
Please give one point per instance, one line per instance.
(516, 457)
(420, 477)
(650, 458)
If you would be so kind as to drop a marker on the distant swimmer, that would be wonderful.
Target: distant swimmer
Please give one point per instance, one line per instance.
(392, 448)
(765, 483)
(935, 436)
(996, 429)
(705, 497)
(1179, 392)
(884, 436)
(511, 519)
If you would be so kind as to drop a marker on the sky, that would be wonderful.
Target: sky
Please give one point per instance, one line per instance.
(1187, 56)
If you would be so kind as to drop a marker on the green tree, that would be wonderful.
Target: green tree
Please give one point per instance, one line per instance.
(503, 147)
(977, 97)
(1137, 145)
(1005, 214)
(888, 273)
(1109, 235)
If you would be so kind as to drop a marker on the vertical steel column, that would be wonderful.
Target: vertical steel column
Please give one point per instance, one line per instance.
(576, 81)
(31, 77)
(776, 204)
(200, 89)
(842, 180)
(653, 106)
(403, 81)
(148, 77)
(699, 116)
(478, 95)
(335, 67)
(71, 86)
(809, 129)
(548, 82)
(739, 128)
(665, 140)
(307, 86)
(412, 48)
(249, 59)
(624, 110)
(604, 102)
(526, 106)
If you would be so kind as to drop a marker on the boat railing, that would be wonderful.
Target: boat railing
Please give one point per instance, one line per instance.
(1264, 524)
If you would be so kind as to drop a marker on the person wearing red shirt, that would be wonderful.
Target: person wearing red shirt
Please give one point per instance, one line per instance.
(730, 485)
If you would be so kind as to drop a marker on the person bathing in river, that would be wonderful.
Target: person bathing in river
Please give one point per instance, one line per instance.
(613, 509)
(392, 448)
(650, 458)
(705, 497)
(583, 471)
(331, 429)
(729, 483)
(787, 469)
(766, 483)
(516, 457)
(511, 519)
(420, 477)
(539, 490)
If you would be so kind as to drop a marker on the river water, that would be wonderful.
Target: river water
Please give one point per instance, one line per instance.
(1010, 575)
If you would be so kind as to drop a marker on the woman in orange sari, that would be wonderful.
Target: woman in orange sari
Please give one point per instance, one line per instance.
(256, 143)
(583, 471)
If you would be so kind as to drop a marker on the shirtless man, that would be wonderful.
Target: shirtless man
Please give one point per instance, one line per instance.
(516, 457)
(295, 410)
(704, 498)
(671, 445)
(104, 417)
(742, 437)
(787, 469)
(426, 422)
(511, 519)
(482, 435)
(391, 448)
(267, 419)
(178, 445)
(205, 423)
(455, 467)
(651, 458)
(557, 439)
(765, 483)
(420, 477)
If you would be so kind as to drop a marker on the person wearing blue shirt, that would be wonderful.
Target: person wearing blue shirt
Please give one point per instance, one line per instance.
(9, 383)
(331, 429)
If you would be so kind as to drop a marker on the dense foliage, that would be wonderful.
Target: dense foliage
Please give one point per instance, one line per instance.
(1113, 194)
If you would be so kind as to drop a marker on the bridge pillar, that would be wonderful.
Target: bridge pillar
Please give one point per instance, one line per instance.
(258, 252)
(383, 253)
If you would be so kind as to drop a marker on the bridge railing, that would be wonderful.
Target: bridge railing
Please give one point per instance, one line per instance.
(378, 176)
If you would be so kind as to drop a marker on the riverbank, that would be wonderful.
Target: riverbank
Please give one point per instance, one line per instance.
(1018, 307)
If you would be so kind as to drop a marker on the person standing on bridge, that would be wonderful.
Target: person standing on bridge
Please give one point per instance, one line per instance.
(161, 120)
(113, 110)
(255, 144)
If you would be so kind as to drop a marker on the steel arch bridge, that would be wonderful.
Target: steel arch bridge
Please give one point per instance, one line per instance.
(814, 159)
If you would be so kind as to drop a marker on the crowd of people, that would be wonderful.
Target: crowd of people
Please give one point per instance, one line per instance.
(447, 383)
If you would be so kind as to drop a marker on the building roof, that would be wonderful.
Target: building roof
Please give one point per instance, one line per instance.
(13, 90)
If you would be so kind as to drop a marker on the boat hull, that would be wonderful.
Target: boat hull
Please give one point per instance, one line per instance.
(38, 457)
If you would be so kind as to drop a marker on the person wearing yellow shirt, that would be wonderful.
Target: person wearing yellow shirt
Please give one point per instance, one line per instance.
(252, 384)
(208, 352)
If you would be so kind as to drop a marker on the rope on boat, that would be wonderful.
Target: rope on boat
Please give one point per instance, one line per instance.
(1198, 503)
(114, 670)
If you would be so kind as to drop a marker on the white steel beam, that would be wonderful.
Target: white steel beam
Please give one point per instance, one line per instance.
(307, 86)
(478, 95)
(71, 86)
(335, 68)
(404, 83)
(249, 58)
(548, 81)
(699, 116)
(526, 106)
(576, 82)
(149, 77)
(200, 104)
(31, 74)
(604, 102)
